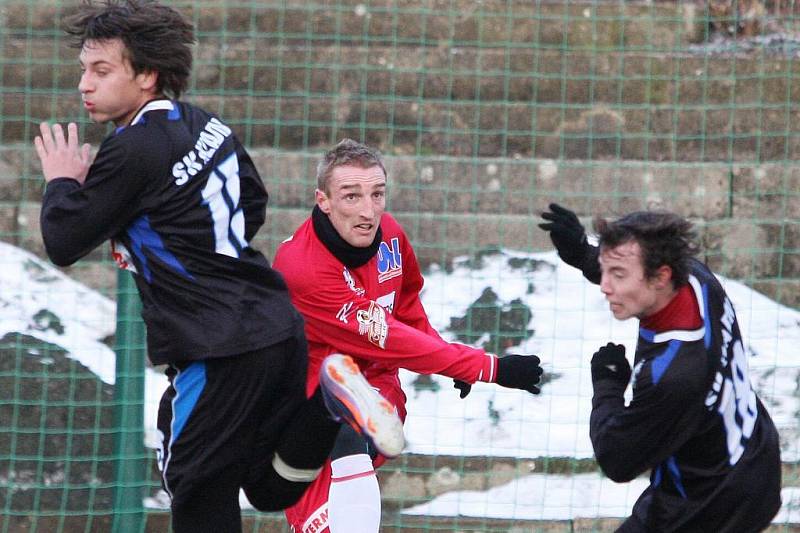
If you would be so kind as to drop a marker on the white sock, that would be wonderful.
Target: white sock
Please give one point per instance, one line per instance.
(354, 499)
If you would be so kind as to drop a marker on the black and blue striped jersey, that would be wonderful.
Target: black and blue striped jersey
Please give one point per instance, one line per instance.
(181, 199)
(695, 422)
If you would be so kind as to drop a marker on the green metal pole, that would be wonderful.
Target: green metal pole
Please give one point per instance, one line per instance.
(129, 453)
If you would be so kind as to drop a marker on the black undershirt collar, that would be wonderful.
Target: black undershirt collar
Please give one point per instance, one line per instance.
(351, 256)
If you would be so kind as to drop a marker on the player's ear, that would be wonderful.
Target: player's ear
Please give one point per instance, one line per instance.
(147, 80)
(663, 276)
(323, 202)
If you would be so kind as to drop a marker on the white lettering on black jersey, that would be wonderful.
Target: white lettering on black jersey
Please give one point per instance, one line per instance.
(205, 292)
(208, 142)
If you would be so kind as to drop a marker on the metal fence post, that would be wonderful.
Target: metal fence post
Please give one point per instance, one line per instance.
(130, 465)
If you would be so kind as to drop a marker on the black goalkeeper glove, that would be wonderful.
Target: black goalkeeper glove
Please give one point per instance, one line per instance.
(567, 234)
(463, 388)
(519, 372)
(609, 362)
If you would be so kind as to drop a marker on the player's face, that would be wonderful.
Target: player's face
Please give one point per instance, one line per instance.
(110, 90)
(623, 282)
(355, 202)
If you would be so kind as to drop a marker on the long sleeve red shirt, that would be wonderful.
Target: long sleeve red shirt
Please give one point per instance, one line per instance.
(372, 313)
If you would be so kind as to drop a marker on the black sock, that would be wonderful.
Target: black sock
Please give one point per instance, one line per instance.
(309, 438)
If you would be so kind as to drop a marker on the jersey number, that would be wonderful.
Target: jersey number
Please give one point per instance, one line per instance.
(221, 195)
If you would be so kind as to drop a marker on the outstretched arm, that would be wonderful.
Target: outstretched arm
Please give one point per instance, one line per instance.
(513, 371)
(569, 238)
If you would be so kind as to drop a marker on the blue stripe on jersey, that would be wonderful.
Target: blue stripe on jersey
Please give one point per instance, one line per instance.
(144, 237)
(675, 473)
(707, 317)
(189, 384)
(174, 113)
(647, 335)
(661, 363)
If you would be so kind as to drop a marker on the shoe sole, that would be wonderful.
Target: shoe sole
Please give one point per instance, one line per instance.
(369, 413)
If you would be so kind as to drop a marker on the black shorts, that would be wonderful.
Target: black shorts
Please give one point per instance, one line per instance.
(220, 418)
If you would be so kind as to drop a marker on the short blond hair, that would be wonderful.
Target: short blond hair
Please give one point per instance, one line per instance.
(347, 152)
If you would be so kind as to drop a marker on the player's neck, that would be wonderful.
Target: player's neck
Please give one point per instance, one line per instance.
(351, 256)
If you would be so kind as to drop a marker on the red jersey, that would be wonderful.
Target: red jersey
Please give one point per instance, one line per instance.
(372, 313)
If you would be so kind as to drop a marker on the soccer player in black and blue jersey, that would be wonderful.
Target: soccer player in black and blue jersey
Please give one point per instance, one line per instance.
(180, 199)
(694, 420)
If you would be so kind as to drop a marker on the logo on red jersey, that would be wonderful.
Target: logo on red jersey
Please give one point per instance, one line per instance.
(348, 278)
(318, 521)
(372, 323)
(344, 311)
(387, 302)
(390, 261)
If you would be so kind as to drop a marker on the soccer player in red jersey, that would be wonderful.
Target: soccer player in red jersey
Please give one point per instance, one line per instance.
(354, 277)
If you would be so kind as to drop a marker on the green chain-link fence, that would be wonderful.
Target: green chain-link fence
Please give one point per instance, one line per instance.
(486, 111)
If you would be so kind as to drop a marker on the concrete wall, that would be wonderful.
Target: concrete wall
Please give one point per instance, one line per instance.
(747, 214)
(487, 112)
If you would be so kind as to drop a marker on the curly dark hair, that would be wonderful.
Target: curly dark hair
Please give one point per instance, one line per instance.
(157, 38)
(664, 237)
(347, 152)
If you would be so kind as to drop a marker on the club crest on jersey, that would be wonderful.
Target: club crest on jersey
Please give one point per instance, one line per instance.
(372, 323)
(390, 261)
(348, 278)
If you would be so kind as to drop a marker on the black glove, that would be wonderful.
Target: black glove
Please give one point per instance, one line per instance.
(567, 234)
(463, 387)
(519, 372)
(609, 362)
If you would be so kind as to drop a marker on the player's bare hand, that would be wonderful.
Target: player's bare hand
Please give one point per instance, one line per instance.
(62, 157)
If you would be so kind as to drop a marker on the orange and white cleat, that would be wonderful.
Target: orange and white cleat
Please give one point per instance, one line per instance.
(351, 399)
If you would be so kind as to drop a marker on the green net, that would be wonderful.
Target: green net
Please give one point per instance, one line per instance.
(486, 112)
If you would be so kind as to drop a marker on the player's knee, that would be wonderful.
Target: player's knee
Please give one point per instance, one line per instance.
(275, 496)
(280, 486)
